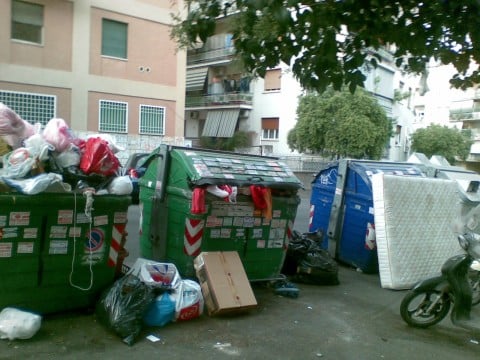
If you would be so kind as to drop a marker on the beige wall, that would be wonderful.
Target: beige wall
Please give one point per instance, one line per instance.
(149, 46)
(70, 66)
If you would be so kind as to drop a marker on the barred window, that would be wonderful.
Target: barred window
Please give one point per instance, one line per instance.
(34, 108)
(113, 116)
(152, 120)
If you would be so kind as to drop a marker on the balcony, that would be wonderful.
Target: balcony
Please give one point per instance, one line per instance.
(241, 100)
(210, 56)
(467, 114)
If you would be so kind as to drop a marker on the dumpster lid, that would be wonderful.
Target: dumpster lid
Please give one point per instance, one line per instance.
(366, 168)
(206, 167)
(468, 183)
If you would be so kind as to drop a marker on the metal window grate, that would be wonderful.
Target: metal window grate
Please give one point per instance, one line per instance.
(113, 116)
(34, 108)
(152, 120)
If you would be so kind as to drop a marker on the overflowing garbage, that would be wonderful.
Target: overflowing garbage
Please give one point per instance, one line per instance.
(53, 159)
(150, 294)
(250, 199)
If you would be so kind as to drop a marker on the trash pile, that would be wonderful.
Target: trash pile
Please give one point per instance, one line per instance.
(307, 262)
(151, 294)
(53, 159)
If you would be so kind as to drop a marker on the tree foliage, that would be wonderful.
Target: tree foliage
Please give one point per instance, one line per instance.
(441, 140)
(327, 41)
(340, 124)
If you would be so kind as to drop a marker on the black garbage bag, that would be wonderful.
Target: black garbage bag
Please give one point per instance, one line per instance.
(307, 262)
(122, 306)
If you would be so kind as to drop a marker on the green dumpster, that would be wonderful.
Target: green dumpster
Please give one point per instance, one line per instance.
(59, 254)
(170, 231)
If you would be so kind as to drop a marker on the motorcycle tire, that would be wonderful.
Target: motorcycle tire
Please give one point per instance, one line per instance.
(474, 279)
(414, 308)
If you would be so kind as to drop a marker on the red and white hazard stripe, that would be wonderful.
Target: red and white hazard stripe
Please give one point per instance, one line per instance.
(310, 220)
(192, 239)
(289, 234)
(116, 244)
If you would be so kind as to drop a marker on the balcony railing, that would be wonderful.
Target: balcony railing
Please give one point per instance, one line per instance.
(464, 115)
(219, 99)
(210, 55)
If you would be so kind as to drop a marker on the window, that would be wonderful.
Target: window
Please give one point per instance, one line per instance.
(270, 128)
(27, 22)
(152, 120)
(273, 79)
(114, 38)
(113, 116)
(34, 108)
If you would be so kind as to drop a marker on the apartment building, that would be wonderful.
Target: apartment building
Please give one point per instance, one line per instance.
(102, 66)
(221, 99)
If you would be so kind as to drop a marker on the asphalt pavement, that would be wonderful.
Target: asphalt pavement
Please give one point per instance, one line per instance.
(356, 319)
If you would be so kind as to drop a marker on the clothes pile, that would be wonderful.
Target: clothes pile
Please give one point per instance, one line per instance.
(53, 159)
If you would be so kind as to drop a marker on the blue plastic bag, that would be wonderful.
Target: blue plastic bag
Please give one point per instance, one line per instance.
(161, 311)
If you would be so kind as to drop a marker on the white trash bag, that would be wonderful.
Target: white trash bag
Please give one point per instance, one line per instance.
(18, 324)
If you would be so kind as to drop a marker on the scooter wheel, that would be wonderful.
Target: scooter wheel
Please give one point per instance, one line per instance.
(474, 279)
(424, 309)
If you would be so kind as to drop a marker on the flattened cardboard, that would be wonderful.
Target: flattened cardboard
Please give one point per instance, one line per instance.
(225, 286)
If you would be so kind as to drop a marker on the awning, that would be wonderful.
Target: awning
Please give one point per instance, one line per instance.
(221, 123)
(196, 78)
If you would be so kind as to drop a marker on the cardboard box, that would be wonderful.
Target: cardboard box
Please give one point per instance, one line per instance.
(225, 286)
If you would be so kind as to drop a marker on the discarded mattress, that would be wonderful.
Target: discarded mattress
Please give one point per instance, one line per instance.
(414, 225)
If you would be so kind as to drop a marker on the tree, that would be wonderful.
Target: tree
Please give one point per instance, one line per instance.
(441, 140)
(340, 124)
(327, 41)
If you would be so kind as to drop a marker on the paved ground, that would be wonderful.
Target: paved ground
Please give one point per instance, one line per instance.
(354, 320)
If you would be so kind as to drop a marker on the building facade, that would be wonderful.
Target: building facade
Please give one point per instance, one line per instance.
(221, 100)
(102, 66)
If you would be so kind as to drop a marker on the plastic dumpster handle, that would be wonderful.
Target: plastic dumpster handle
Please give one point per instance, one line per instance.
(255, 179)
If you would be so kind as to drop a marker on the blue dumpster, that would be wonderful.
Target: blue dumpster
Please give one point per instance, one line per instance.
(341, 206)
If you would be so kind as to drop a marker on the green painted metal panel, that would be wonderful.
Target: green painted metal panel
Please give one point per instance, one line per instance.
(260, 240)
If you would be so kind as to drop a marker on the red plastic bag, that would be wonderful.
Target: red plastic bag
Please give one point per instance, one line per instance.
(198, 201)
(98, 158)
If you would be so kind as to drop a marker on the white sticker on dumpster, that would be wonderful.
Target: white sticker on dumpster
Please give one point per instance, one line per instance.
(58, 232)
(248, 221)
(65, 216)
(225, 233)
(9, 233)
(213, 221)
(257, 233)
(75, 231)
(5, 249)
(3, 220)
(82, 219)
(261, 244)
(275, 244)
(119, 217)
(25, 248)
(30, 233)
(100, 220)
(19, 218)
(58, 247)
